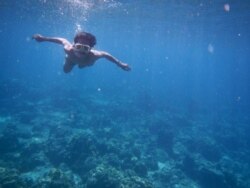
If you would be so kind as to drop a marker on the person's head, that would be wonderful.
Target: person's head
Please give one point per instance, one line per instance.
(85, 38)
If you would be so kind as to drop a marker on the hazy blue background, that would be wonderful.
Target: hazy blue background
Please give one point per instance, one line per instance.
(187, 55)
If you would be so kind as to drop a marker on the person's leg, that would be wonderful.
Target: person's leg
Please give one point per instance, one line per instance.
(68, 66)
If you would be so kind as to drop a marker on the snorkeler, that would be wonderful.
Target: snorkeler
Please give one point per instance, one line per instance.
(80, 52)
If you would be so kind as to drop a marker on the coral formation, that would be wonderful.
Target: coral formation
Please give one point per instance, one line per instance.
(50, 148)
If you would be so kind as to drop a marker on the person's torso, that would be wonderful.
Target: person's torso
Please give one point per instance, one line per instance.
(81, 59)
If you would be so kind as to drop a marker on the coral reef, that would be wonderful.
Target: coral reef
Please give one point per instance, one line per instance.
(88, 145)
(10, 178)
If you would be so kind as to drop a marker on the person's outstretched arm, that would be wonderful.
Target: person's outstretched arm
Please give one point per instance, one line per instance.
(58, 40)
(109, 57)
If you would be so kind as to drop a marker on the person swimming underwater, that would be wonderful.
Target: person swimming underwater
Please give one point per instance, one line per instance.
(81, 52)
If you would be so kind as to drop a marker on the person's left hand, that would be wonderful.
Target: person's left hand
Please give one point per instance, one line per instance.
(38, 37)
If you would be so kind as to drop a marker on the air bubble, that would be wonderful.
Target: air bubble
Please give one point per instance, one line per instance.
(227, 7)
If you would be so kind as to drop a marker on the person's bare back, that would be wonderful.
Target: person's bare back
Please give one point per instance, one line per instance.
(80, 52)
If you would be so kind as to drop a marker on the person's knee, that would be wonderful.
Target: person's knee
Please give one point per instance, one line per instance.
(66, 70)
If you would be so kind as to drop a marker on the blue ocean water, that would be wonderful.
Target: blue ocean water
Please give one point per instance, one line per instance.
(179, 118)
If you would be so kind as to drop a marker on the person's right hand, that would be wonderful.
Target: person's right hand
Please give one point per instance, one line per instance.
(38, 37)
(125, 67)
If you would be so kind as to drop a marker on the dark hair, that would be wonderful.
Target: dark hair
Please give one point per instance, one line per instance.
(86, 37)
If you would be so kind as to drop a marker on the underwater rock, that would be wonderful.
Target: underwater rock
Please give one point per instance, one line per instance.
(136, 182)
(55, 150)
(108, 177)
(207, 174)
(79, 148)
(151, 163)
(113, 160)
(211, 178)
(136, 151)
(128, 161)
(33, 161)
(165, 140)
(141, 169)
(56, 178)
(33, 153)
(82, 143)
(73, 149)
(167, 174)
(26, 117)
(164, 132)
(109, 146)
(89, 164)
(9, 140)
(105, 177)
(189, 166)
(56, 144)
(35, 145)
(206, 147)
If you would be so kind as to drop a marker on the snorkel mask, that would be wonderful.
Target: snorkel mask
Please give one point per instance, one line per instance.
(82, 48)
